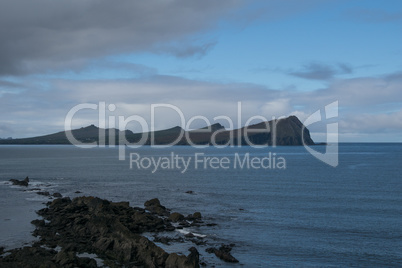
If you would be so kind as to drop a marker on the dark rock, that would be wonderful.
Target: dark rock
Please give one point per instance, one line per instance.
(184, 224)
(198, 241)
(194, 257)
(112, 231)
(191, 261)
(109, 229)
(210, 250)
(57, 195)
(223, 253)
(24, 182)
(175, 217)
(190, 192)
(29, 257)
(197, 215)
(166, 240)
(152, 203)
(39, 223)
(189, 235)
(77, 192)
(155, 207)
(43, 193)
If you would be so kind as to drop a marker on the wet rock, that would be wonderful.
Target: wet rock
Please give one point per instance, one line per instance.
(197, 215)
(38, 223)
(189, 235)
(194, 217)
(175, 217)
(190, 192)
(198, 241)
(24, 182)
(67, 258)
(194, 257)
(192, 260)
(43, 193)
(112, 231)
(109, 229)
(155, 207)
(166, 240)
(223, 253)
(57, 195)
(77, 192)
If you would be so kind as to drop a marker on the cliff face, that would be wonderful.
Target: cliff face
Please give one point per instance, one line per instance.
(287, 131)
(290, 131)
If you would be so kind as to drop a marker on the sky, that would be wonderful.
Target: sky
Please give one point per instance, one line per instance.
(272, 58)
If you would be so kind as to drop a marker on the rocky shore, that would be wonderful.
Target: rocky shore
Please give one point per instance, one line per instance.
(94, 232)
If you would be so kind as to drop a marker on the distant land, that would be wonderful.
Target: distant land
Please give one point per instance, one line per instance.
(289, 131)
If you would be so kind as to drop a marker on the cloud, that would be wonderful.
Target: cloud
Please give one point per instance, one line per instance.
(367, 104)
(373, 123)
(320, 71)
(190, 50)
(47, 35)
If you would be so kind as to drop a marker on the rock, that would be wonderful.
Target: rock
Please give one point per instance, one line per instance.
(43, 193)
(223, 253)
(29, 257)
(189, 235)
(39, 223)
(166, 240)
(190, 192)
(191, 261)
(197, 215)
(111, 230)
(77, 192)
(175, 217)
(152, 203)
(194, 257)
(57, 195)
(155, 207)
(24, 182)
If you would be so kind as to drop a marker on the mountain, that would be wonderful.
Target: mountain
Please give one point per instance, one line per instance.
(286, 131)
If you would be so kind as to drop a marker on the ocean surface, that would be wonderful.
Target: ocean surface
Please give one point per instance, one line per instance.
(305, 213)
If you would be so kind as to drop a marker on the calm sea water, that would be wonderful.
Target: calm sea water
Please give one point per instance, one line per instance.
(309, 214)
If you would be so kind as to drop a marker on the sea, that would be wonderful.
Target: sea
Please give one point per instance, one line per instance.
(279, 206)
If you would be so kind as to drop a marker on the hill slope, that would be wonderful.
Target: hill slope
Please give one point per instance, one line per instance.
(287, 131)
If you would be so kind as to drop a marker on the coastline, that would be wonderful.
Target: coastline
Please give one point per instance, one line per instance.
(88, 231)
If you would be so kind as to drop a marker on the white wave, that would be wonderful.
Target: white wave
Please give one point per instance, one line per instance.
(185, 231)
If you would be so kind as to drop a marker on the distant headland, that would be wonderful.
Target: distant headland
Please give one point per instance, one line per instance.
(286, 131)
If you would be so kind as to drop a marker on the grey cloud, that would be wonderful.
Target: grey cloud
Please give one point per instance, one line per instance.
(365, 96)
(8, 84)
(190, 50)
(320, 71)
(45, 34)
(394, 76)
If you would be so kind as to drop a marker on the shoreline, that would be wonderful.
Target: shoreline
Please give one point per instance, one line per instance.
(88, 231)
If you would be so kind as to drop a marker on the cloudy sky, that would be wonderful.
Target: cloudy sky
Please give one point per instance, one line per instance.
(276, 57)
